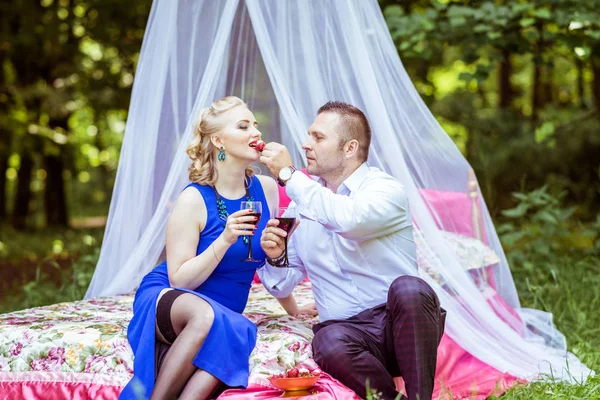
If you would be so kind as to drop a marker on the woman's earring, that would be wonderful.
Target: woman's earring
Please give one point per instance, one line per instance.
(221, 156)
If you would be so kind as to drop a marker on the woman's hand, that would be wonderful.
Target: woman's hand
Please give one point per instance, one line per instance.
(291, 307)
(239, 224)
(309, 309)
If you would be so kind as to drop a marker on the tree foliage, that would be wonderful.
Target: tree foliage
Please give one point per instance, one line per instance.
(524, 88)
(67, 70)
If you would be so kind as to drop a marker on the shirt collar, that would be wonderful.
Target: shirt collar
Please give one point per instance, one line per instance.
(353, 181)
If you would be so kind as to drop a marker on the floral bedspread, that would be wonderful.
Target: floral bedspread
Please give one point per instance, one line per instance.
(86, 336)
(89, 336)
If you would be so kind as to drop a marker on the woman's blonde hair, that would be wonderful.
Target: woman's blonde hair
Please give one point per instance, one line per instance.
(201, 150)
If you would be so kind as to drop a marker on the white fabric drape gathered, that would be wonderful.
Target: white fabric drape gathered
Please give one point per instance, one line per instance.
(286, 59)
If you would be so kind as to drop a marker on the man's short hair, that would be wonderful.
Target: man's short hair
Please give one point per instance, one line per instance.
(353, 125)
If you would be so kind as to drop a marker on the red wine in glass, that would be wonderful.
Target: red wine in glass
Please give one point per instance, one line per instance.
(287, 220)
(286, 223)
(256, 207)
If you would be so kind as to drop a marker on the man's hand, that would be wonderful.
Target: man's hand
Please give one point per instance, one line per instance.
(272, 239)
(276, 156)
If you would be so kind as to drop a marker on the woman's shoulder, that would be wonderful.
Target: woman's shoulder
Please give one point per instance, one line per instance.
(193, 194)
(190, 207)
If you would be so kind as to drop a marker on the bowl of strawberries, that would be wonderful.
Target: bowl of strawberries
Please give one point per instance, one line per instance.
(296, 379)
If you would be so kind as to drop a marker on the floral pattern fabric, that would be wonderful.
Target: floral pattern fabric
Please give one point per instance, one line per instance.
(86, 336)
(90, 336)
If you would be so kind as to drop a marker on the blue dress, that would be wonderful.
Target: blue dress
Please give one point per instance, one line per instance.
(232, 337)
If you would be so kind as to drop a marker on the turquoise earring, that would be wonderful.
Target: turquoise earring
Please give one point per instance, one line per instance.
(221, 156)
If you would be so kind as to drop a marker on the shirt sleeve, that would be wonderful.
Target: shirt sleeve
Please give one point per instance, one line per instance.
(280, 282)
(378, 208)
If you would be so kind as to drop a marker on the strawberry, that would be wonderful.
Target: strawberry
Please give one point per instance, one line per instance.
(260, 146)
(293, 373)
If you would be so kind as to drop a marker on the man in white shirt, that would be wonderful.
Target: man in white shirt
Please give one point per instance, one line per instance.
(355, 243)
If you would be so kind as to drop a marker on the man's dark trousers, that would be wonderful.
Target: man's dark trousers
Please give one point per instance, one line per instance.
(397, 338)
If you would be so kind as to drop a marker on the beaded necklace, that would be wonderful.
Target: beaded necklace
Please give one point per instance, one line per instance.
(222, 208)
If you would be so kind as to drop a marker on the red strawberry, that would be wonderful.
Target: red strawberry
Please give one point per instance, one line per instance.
(260, 146)
(293, 373)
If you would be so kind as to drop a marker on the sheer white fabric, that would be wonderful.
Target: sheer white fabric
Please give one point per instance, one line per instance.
(286, 59)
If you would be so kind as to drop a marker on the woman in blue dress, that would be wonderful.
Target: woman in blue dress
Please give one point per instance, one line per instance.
(193, 301)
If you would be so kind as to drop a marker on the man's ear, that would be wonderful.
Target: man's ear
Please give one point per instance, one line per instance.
(351, 148)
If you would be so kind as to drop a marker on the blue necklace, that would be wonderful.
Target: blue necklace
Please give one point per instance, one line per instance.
(222, 208)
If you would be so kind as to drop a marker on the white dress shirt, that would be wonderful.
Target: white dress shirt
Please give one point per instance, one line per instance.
(352, 244)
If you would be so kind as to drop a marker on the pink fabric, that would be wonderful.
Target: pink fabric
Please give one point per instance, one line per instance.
(453, 209)
(284, 200)
(466, 377)
(327, 388)
(41, 385)
(496, 301)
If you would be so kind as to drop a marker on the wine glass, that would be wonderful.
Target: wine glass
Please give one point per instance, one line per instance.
(287, 220)
(256, 207)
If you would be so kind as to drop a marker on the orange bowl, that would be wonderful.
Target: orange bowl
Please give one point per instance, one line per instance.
(294, 384)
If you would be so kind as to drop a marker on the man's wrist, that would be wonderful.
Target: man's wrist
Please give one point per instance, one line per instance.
(285, 174)
(277, 261)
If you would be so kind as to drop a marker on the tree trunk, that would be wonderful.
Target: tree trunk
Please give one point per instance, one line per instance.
(596, 81)
(423, 71)
(54, 195)
(536, 94)
(3, 168)
(55, 198)
(580, 84)
(23, 197)
(537, 88)
(99, 143)
(5, 146)
(548, 96)
(505, 87)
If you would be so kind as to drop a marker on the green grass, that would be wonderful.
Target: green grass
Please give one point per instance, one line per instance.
(46, 267)
(568, 287)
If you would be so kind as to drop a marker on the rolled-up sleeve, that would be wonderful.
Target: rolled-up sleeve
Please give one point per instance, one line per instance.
(378, 209)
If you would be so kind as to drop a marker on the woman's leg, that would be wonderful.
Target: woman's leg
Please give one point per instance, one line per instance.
(192, 318)
(200, 386)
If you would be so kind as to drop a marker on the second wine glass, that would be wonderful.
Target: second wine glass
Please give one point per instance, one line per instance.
(287, 220)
